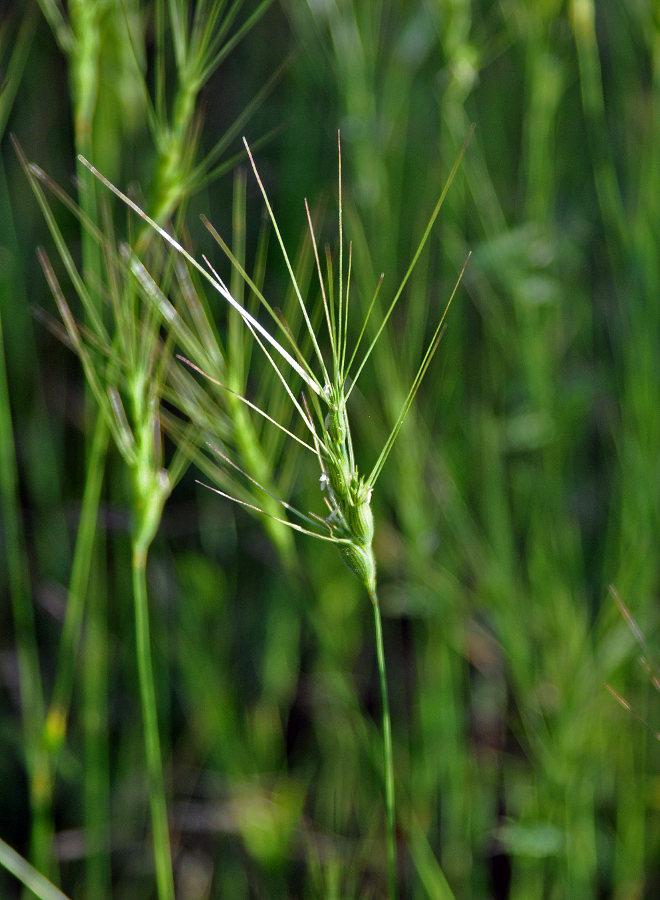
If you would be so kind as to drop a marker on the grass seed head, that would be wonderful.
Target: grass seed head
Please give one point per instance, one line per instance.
(361, 562)
(359, 514)
(349, 520)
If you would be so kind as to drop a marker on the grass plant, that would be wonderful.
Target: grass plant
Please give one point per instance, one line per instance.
(97, 41)
(522, 485)
(122, 372)
(349, 521)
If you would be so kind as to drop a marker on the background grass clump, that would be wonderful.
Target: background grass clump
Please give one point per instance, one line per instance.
(522, 485)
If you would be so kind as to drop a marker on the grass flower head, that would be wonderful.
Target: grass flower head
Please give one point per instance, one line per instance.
(348, 520)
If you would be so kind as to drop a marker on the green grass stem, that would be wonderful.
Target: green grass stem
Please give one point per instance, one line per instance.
(58, 713)
(31, 691)
(28, 875)
(388, 759)
(95, 720)
(156, 784)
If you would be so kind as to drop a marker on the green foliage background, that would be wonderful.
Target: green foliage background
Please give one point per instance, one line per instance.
(524, 483)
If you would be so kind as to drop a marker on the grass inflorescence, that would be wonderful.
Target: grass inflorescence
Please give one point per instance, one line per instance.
(349, 519)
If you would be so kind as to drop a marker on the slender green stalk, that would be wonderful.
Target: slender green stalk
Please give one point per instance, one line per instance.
(95, 724)
(85, 73)
(39, 775)
(94, 676)
(84, 68)
(388, 760)
(28, 876)
(82, 561)
(158, 806)
(97, 783)
(591, 86)
(12, 74)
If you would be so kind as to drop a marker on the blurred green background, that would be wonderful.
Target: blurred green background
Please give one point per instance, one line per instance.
(524, 483)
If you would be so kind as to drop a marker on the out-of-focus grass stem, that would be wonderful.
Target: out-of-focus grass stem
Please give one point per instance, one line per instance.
(28, 875)
(39, 772)
(39, 775)
(607, 185)
(86, 22)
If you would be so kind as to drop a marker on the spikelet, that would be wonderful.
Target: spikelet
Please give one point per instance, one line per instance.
(361, 562)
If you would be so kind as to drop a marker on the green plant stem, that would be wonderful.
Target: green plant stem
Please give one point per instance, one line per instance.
(80, 570)
(89, 26)
(161, 838)
(36, 759)
(95, 660)
(387, 748)
(28, 876)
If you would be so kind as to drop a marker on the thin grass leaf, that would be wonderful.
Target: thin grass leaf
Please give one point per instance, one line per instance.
(159, 301)
(73, 331)
(28, 876)
(71, 268)
(59, 26)
(179, 28)
(427, 866)
(221, 54)
(122, 432)
(13, 70)
(203, 175)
